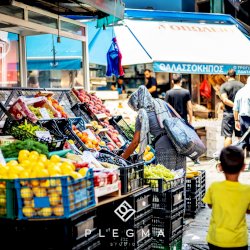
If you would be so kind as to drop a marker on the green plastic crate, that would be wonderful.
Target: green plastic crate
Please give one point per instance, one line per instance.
(7, 199)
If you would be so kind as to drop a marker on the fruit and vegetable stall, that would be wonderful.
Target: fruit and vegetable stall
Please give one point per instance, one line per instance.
(64, 185)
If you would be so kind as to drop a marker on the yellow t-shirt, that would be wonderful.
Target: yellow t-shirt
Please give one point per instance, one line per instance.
(230, 201)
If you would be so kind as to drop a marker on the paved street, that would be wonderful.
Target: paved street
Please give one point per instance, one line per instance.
(196, 229)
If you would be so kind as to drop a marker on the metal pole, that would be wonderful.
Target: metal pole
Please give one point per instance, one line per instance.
(85, 64)
(23, 61)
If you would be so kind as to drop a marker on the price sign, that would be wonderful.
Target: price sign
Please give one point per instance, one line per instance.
(90, 134)
(43, 135)
(2, 160)
(44, 113)
(81, 195)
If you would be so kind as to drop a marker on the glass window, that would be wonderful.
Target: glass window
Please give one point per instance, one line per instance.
(12, 11)
(53, 64)
(72, 28)
(42, 19)
(9, 59)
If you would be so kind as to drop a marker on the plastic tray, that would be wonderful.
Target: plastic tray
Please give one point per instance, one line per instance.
(42, 196)
(11, 127)
(78, 110)
(7, 199)
(122, 127)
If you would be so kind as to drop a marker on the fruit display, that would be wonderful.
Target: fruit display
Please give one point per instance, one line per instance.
(33, 108)
(156, 172)
(85, 138)
(58, 107)
(148, 153)
(94, 103)
(30, 127)
(12, 150)
(190, 173)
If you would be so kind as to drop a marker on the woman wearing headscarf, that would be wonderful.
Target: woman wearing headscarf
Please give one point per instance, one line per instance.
(151, 114)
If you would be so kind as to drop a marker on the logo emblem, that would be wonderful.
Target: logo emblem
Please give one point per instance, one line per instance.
(125, 211)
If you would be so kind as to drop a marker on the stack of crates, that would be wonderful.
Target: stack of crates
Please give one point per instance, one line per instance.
(127, 223)
(168, 213)
(195, 191)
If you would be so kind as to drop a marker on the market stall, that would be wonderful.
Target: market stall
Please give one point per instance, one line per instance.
(61, 175)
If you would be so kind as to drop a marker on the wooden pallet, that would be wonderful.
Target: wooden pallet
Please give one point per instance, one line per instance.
(108, 191)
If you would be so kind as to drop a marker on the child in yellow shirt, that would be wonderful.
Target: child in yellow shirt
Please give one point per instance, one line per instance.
(230, 201)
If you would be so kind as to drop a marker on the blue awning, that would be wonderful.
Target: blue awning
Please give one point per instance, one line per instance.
(193, 43)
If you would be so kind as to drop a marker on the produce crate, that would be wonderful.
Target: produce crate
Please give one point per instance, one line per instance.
(54, 197)
(167, 228)
(111, 158)
(65, 128)
(132, 177)
(193, 204)
(175, 245)
(140, 202)
(122, 127)
(79, 111)
(147, 245)
(11, 127)
(193, 184)
(7, 199)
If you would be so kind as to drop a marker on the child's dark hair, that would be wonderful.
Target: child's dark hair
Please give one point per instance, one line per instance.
(232, 159)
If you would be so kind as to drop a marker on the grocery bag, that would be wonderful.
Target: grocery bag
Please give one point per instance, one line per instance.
(183, 136)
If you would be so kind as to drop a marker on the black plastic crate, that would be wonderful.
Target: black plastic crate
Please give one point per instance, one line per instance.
(159, 185)
(56, 234)
(147, 245)
(92, 242)
(11, 128)
(169, 201)
(79, 111)
(132, 177)
(122, 127)
(168, 228)
(193, 203)
(193, 184)
(160, 245)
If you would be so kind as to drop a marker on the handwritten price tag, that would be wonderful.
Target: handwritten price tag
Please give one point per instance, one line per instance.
(43, 135)
(44, 113)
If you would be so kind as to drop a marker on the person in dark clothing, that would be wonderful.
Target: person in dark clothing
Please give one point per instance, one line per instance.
(119, 85)
(150, 83)
(180, 99)
(228, 92)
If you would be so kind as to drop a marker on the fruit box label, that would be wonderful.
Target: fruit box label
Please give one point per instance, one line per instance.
(80, 195)
(43, 135)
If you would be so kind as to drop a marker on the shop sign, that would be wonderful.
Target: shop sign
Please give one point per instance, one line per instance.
(199, 68)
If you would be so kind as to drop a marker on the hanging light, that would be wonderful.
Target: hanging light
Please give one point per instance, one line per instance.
(58, 22)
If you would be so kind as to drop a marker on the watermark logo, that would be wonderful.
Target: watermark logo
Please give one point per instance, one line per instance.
(125, 211)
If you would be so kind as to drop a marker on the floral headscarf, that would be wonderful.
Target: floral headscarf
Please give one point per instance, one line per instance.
(142, 102)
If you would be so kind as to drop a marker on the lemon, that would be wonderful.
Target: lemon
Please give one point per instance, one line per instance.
(12, 163)
(35, 183)
(58, 210)
(28, 211)
(42, 158)
(148, 148)
(45, 183)
(75, 175)
(23, 152)
(59, 189)
(40, 191)
(55, 158)
(2, 200)
(42, 173)
(25, 164)
(13, 176)
(54, 170)
(83, 171)
(4, 169)
(24, 174)
(66, 169)
(26, 193)
(54, 199)
(35, 153)
(45, 212)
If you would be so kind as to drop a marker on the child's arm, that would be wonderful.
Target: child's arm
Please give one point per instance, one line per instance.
(208, 197)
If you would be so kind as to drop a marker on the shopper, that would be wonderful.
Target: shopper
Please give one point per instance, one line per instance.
(228, 91)
(119, 85)
(230, 201)
(180, 99)
(242, 110)
(151, 114)
(150, 83)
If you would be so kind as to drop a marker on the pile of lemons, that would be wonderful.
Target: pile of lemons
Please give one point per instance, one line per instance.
(35, 165)
(148, 154)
